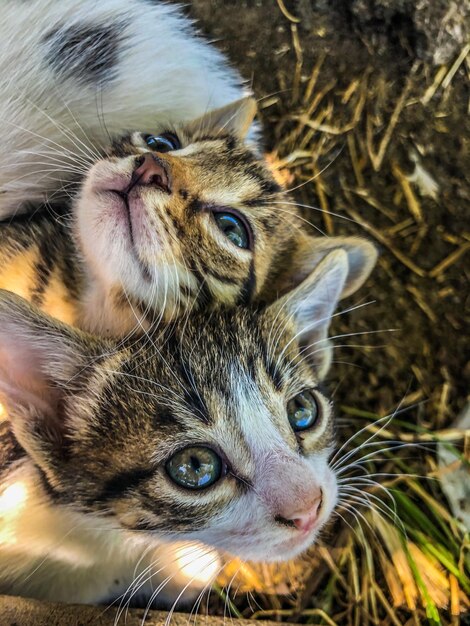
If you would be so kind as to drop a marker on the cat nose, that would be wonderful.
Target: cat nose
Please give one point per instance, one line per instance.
(304, 519)
(151, 170)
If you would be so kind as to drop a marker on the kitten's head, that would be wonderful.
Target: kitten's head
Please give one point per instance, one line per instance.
(186, 218)
(214, 428)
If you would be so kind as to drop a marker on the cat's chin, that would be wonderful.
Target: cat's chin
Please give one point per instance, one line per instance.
(263, 546)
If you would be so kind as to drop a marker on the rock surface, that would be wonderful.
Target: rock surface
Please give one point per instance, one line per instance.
(27, 612)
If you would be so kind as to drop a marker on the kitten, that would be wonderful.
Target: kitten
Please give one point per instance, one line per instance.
(166, 222)
(73, 71)
(211, 429)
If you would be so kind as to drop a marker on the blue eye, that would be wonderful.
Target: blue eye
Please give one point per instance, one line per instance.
(166, 142)
(303, 411)
(233, 228)
(196, 467)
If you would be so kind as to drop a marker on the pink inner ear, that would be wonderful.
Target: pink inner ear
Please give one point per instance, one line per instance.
(22, 381)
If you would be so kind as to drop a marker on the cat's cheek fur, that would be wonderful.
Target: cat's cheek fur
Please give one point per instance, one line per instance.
(248, 528)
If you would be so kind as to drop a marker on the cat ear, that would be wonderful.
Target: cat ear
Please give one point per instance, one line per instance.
(308, 251)
(311, 305)
(39, 358)
(234, 118)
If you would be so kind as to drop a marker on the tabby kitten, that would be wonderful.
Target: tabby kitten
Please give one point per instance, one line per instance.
(164, 223)
(73, 72)
(210, 429)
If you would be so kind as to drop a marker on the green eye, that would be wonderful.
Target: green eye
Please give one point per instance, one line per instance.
(303, 411)
(233, 228)
(195, 468)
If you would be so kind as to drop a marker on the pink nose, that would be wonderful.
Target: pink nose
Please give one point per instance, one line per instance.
(305, 519)
(151, 170)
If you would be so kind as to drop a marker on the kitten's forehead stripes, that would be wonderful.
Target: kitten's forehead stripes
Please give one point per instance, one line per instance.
(241, 160)
(274, 371)
(87, 53)
(193, 397)
(86, 376)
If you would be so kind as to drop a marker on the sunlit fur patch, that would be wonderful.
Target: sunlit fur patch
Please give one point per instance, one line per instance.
(39, 263)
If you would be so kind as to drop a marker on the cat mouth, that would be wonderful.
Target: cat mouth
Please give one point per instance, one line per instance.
(127, 211)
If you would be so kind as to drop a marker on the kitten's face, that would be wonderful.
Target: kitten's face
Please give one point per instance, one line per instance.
(185, 220)
(213, 429)
(207, 452)
(177, 219)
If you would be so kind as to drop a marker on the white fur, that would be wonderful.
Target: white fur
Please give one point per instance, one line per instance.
(166, 74)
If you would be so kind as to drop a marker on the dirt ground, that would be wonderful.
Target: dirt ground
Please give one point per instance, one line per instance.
(365, 105)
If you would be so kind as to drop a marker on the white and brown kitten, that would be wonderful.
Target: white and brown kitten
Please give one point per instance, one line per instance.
(166, 222)
(72, 72)
(210, 429)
